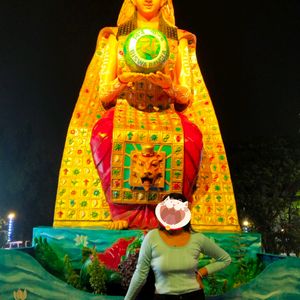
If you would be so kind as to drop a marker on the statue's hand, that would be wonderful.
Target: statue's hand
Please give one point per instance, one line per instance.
(128, 77)
(160, 79)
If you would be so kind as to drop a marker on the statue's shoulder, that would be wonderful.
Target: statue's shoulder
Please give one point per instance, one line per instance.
(106, 32)
(187, 35)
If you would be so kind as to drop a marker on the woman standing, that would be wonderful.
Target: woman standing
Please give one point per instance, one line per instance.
(172, 251)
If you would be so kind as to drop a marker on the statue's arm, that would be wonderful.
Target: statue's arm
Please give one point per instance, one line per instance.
(113, 82)
(109, 84)
(181, 88)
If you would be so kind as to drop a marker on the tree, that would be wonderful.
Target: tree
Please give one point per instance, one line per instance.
(266, 179)
(3, 233)
(289, 234)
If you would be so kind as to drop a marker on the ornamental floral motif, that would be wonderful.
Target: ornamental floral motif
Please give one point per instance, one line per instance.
(20, 294)
(81, 240)
(94, 214)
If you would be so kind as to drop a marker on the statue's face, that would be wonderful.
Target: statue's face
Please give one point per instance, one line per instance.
(148, 8)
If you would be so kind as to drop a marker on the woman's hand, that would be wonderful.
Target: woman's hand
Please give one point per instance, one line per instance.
(160, 79)
(199, 277)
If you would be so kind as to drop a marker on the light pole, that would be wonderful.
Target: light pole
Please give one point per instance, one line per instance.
(11, 217)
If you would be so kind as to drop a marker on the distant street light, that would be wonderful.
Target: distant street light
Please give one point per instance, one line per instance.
(246, 225)
(11, 217)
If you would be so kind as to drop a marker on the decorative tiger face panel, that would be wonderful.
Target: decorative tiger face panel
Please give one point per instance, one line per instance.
(147, 169)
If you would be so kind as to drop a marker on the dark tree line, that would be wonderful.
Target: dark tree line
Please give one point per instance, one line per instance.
(266, 181)
(29, 170)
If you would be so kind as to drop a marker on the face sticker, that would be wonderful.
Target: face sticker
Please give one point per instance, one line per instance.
(172, 213)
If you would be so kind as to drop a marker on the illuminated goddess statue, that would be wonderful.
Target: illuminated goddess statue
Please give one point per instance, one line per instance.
(145, 126)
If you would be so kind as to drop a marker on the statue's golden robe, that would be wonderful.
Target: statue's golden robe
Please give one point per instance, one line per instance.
(80, 198)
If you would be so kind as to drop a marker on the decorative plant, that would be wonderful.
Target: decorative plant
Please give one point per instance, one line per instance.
(249, 269)
(126, 268)
(3, 233)
(45, 255)
(97, 274)
(71, 276)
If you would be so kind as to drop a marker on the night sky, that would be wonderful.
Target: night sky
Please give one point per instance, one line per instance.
(248, 52)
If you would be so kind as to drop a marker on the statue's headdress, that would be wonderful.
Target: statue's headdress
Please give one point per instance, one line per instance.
(128, 9)
(127, 18)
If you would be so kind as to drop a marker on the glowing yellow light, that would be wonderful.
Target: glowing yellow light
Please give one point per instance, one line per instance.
(246, 223)
(11, 216)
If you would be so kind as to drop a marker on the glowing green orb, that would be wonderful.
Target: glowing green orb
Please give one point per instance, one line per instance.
(146, 50)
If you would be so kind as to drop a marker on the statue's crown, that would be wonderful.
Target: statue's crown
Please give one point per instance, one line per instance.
(147, 150)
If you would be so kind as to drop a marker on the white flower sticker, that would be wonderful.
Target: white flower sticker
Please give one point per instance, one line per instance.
(173, 213)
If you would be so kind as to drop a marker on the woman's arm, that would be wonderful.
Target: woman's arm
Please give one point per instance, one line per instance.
(142, 269)
(211, 249)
